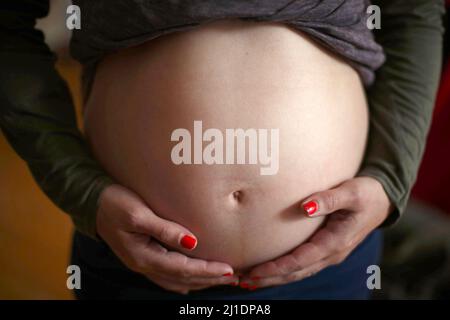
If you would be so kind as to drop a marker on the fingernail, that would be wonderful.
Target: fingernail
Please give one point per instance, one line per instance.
(228, 274)
(244, 285)
(234, 284)
(310, 207)
(255, 278)
(252, 288)
(188, 242)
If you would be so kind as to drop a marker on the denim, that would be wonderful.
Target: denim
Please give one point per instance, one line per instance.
(103, 276)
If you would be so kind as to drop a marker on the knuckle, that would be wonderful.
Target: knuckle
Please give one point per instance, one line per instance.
(181, 270)
(356, 195)
(291, 277)
(330, 201)
(283, 268)
(297, 262)
(202, 268)
(338, 259)
(133, 220)
(334, 248)
(164, 233)
(185, 274)
(348, 242)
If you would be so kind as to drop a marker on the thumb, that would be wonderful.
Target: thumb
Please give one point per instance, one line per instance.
(343, 197)
(168, 232)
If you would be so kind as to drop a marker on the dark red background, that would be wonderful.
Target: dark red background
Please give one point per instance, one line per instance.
(433, 182)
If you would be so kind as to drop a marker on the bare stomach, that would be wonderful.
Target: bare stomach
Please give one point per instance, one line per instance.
(229, 75)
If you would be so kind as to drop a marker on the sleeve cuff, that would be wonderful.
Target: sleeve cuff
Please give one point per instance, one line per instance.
(398, 200)
(86, 222)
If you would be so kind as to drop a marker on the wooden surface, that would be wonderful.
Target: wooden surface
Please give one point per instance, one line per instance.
(35, 236)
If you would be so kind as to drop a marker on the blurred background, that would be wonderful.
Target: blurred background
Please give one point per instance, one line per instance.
(35, 236)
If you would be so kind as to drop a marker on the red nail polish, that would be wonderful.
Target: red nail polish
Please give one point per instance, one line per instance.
(310, 207)
(234, 284)
(255, 278)
(188, 242)
(228, 274)
(244, 285)
(252, 288)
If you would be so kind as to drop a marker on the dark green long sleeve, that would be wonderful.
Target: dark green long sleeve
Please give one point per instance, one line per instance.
(402, 98)
(38, 119)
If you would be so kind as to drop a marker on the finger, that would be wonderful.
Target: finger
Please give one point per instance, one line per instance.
(179, 265)
(168, 232)
(257, 282)
(338, 233)
(292, 277)
(213, 281)
(346, 196)
(210, 282)
(167, 284)
(317, 267)
(300, 258)
(195, 282)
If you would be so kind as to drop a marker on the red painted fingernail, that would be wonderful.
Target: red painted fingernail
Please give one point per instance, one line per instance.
(255, 278)
(252, 287)
(244, 285)
(188, 242)
(310, 207)
(228, 274)
(234, 284)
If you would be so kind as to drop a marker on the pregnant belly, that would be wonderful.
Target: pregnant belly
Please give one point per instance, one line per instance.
(158, 116)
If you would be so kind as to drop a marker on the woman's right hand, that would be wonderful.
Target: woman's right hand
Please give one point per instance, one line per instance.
(130, 228)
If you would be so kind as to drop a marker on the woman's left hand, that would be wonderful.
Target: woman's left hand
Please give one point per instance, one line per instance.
(355, 208)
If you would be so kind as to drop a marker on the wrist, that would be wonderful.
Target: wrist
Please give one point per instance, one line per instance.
(379, 198)
(87, 223)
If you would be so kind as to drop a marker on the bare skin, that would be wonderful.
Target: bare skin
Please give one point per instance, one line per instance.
(139, 238)
(229, 75)
(354, 209)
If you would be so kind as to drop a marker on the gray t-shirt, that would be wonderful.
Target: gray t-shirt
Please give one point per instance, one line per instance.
(339, 25)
